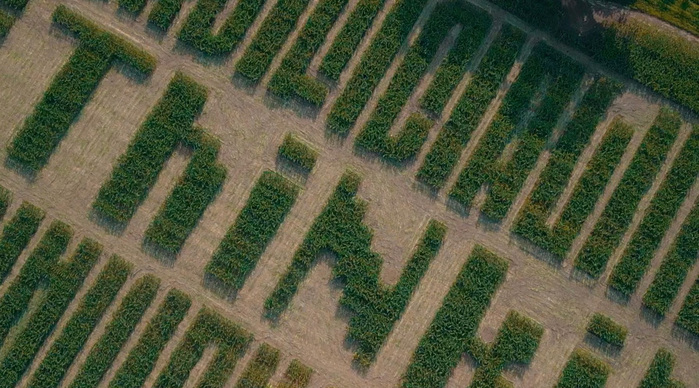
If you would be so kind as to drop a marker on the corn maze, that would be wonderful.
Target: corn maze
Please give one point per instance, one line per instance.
(342, 193)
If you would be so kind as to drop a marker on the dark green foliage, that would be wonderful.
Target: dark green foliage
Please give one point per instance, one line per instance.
(163, 13)
(506, 177)
(375, 135)
(197, 29)
(168, 124)
(209, 328)
(638, 254)
(349, 38)
(260, 369)
(688, 317)
(607, 330)
(637, 179)
(666, 63)
(76, 332)
(663, 61)
(117, 332)
(658, 374)
(531, 223)
(5, 199)
(675, 266)
(138, 168)
(290, 79)
(456, 321)
(296, 376)
(375, 306)
(201, 182)
(375, 61)
(517, 339)
(72, 87)
(454, 65)
(237, 255)
(95, 38)
(516, 342)
(36, 270)
(16, 5)
(482, 88)
(16, 235)
(141, 360)
(275, 29)
(583, 370)
(296, 151)
(134, 7)
(6, 23)
(65, 279)
(62, 103)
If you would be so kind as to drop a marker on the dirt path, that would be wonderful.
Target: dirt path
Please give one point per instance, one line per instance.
(312, 330)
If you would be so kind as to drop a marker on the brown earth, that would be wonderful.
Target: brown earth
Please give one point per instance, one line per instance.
(250, 129)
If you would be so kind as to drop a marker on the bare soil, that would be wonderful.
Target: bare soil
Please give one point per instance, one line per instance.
(313, 329)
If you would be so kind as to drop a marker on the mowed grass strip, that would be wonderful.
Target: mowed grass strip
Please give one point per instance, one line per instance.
(400, 147)
(636, 181)
(236, 256)
(480, 91)
(16, 235)
(275, 30)
(141, 360)
(374, 63)
(559, 238)
(209, 329)
(457, 320)
(638, 254)
(117, 332)
(65, 279)
(72, 339)
(531, 221)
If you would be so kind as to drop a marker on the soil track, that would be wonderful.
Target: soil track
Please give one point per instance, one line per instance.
(313, 329)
